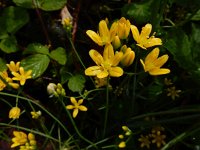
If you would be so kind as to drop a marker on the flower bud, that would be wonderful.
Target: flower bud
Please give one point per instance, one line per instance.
(14, 113)
(116, 42)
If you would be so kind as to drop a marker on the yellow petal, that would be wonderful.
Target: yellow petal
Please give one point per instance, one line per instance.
(135, 33)
(73, 100)
(103, 30)
(82, 108)
(108, 52)
(152, 56)
(96, 56)
(152, 42)
(142, 62)
(70, 106)
(116, 59)
(102, 74)
(146, 30)
(128, 58)
(95, 37)
(158, 71)
(93, 71)
(116, 71)
(80, 101)
(75, 113)
(161, 61)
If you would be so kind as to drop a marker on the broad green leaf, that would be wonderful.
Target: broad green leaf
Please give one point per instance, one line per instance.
(76, 83)
(9, 45)
(38, 63)
(14, 18)
(65, 75)
(47, 5)
(180, 48)
(35, 48)
(59, 55)
(2, 64)
(140, 12)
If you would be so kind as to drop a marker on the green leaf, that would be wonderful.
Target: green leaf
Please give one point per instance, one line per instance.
(2, 64)
(9, 45)
(38, 63)
(59, 55)
(65, 75)
(76, 83)
(47, 5)
(140, 12)
(13, 18)
(35, 48)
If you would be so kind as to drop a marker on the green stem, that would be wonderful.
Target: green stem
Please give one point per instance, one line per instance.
(107, 108)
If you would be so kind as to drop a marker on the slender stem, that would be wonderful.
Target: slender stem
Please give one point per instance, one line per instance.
(107, 108)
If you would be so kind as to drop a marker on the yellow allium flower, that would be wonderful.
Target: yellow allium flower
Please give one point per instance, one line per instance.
(14, 113)
(128, 57)
(153, 63)
(76, 106)
(121, 27)
(173, 92)
(36, 115)
(122, 144)
(158, 139)
(19, 139)
(106, 65)
(22, 76)
(143, 40)
(145, 142)
(104, 36)
(13, 67)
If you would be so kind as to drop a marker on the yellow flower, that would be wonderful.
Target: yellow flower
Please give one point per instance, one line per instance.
(105, 36)
(14, 113)
(13, 67)
(121, 27)
(22, 76)
(76, 106)
(106, 65)
(153, 63)
(145, 142)
(173, 92)
(143, 40)
(128, 56)
(122, 144)
(116, 42)
(158, 139)
(19, 139)
(36, 115)
(4, 75)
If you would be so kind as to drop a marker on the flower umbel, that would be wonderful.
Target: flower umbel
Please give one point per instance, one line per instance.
(106, 65)
(153, 63)
(76, 106)
(22, 76)
(19, 139)
(14, 113)
(143, 40)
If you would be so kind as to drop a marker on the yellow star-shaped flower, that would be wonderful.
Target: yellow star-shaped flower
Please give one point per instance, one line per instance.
(19, 139)
(22, 76)
(106, 64)
(76, 106)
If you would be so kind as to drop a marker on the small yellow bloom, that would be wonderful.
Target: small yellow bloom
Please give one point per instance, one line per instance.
(76, 106)
(116, 42)
(158, 139)
(13, 67)
(121, 136)
(173, 92)
(106, 65)
(128, 57)
(14, 113)
(153, 63)
(105, 36)
(19, 139)
(36, 115)
(22, 76)
(143, 40)
(122, 28)
(122, 144)
(145, 142)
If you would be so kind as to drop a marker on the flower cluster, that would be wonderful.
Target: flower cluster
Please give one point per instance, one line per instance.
(124, 136)
(18, 73)
(117, 55)
(26, 142)
(55, 90)
(14, 112)
(155, 137)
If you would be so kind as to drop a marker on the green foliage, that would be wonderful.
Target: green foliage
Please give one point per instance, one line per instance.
(36, 48)
(76, 83)
(59, 55)
(47, 5)
(9, 45)
(2, 65)
(38, 63)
